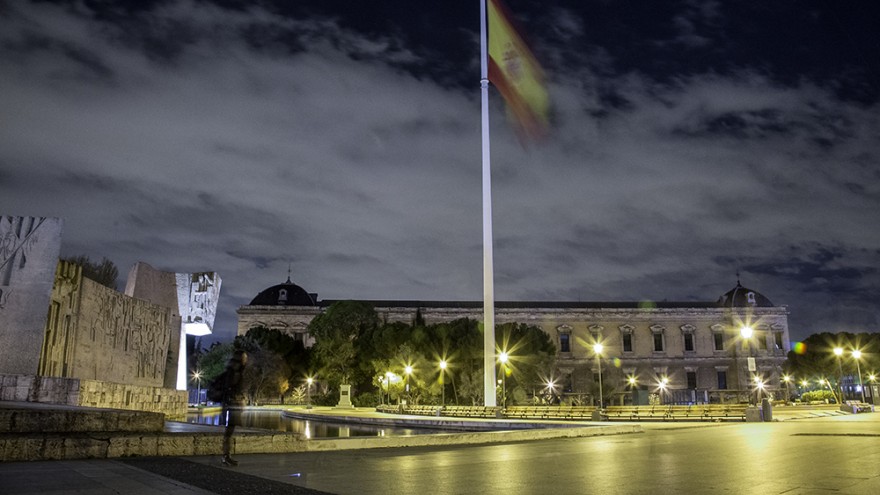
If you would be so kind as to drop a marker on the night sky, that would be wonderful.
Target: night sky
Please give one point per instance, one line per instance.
(689, 141)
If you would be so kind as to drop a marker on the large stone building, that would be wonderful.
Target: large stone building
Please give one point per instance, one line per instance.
(696, 350)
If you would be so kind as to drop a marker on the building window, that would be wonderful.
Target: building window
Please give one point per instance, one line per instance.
(777, 339)
(719, 341)
(688, 342)
(657, 331)
(762, 340)
(564, 342)
(658, 342)
(722, 380)
(692, 380)
(627, 342)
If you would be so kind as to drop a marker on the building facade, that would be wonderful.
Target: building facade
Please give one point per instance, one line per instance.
(673, 352)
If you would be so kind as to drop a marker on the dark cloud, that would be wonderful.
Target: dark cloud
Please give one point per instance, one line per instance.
(343, 140)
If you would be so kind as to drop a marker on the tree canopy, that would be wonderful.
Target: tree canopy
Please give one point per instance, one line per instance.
(103, 272)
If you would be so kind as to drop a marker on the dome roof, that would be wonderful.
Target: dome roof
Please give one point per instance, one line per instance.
(742, 297)
(286, 294)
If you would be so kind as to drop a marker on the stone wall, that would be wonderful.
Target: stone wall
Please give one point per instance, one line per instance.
(93, 393)
(29, 248)
(155, 286)
(96, 333)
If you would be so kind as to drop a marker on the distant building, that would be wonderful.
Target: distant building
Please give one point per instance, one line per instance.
(697, 347)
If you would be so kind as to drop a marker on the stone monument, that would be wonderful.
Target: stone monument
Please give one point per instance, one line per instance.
(29, 249)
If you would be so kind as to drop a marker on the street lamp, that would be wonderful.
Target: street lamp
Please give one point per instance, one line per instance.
(597, 349)
(746, 333)
(407, 371)
(838, 351)
(663, 383)
(787, 380)
(388, 385)
(442, 382)
(857, 355)
(759, 386)
(309, 382)
(502, 358)
(197, 375)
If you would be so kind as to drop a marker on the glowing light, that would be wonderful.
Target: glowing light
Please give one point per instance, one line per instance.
(503, 357)
(857, 354)
(443, 364)
(631, 380)
(408, 370)
(805, 383)
(786, 378)
(197, 329)
(746, 332)
(598, 348)
(838, 351)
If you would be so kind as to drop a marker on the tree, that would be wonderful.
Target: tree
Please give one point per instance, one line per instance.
(335, 332)
(104, 273)
(213, 362)
(293, 352)
(814, 358)
(266, 374)
(532, 357)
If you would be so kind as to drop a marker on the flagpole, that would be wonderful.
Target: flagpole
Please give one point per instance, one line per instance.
(488, 270)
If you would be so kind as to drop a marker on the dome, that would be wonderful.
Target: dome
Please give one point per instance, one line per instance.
(742, 297)
(286, 294)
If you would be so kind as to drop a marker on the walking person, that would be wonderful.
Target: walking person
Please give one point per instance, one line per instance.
(232, 400)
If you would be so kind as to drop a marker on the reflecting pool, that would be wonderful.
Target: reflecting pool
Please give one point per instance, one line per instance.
(271, 419)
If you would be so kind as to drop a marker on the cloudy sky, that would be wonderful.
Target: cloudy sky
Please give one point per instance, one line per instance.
(690, 140)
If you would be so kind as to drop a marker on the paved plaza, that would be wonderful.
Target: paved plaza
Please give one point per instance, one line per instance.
(822, 455)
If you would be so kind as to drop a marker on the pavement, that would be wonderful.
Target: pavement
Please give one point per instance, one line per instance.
(270, 473)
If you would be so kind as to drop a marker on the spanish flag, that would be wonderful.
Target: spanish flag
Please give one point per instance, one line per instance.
(516, 73)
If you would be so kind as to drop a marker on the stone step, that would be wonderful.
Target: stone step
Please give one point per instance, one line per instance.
(29, 418)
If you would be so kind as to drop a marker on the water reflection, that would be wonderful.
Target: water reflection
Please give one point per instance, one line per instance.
(273, 420)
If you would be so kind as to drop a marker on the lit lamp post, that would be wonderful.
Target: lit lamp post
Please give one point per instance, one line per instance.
(759, 386)
(857, 355)
(407, 371)
(502, 358)
(838, 351)
(787, 380)
(663, 383)
(309, 382)
(197, 375)
(442, 382)
(746, 333)
(597, 350)
(388, 385)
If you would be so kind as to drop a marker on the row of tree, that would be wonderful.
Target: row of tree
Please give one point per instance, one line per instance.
(353, 346)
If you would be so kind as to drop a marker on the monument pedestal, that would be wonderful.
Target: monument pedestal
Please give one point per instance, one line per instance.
(344, 397)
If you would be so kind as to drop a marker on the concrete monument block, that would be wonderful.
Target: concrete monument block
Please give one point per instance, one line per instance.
(29, 249)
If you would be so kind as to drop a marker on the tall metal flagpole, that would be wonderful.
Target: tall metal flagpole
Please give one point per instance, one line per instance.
(488, 270)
